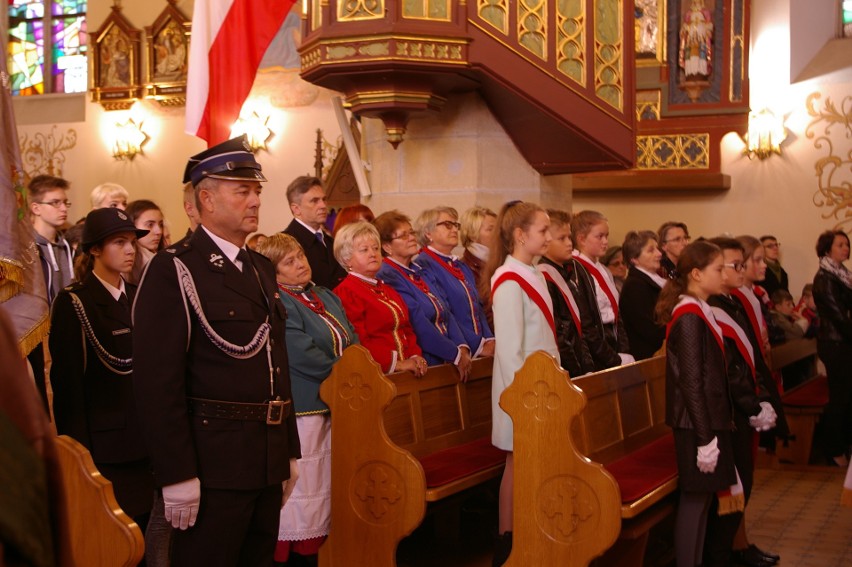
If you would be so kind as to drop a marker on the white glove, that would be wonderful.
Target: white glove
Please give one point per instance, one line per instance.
(708, 456)
(181, 503)
(289, 484)
(765, 420)
(626, 358)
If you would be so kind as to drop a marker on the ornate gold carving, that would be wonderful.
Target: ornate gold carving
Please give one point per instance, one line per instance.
(541, 399)
(311, 58)
(375, 97)
(359, 10)
(339, 51)
(738, 47)
(532, 26)
(495, 13)
(834, 188)
(356, 392)
(44, 154)
(316, 14)
(565, 505)
(683, 151)
(376, 492)
(647, 105)
(374, 49)
(420, 50)
(571, 39)
(434, 10)
(609, 62)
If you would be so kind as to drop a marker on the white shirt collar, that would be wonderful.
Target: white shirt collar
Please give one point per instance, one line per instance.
(229, 249)
(452, 257)
(654, 277)
(364, 278)
(115, 292)
(313, 230)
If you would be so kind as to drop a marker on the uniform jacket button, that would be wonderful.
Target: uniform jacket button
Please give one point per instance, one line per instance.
(278, 370)
(205, 422)
(231, 312)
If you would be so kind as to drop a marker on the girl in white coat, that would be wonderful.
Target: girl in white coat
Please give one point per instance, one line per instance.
(523, 324)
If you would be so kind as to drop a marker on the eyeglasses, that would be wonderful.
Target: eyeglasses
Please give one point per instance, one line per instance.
(679, 239)
(449, 225)
(56, 203)
(405, 235)
(737, 266)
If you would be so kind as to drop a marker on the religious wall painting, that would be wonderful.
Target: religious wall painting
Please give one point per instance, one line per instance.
(649, 31)
(695, 51)
(168, 56)
(116, 58)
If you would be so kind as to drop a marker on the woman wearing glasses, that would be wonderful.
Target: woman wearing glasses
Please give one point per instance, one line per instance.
(437, 332)
(438, 233)
(673, 238)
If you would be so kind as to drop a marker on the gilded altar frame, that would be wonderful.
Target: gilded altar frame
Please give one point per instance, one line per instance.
(167, 44)
(115, 63)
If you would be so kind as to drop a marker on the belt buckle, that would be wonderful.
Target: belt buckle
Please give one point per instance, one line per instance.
(274, 412)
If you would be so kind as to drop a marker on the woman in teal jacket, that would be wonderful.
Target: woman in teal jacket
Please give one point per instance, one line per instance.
(317, 333)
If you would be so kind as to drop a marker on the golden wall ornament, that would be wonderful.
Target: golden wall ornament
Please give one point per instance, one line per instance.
(647, 105)
(833, 170)
(167, 41)
(532, 26)
(359, 10)
(44, 153)
(609, 60)
(571, 39)
(679, 151)
(494, 12)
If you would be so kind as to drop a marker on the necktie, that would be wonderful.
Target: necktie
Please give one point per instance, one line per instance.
(248, 271)
(319, 236)
(123, 301)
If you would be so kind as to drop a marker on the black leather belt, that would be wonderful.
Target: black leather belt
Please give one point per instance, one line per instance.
(272, 412)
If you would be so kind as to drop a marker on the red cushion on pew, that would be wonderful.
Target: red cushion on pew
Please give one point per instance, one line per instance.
(644, 470)
(452, 464)
(813, 393)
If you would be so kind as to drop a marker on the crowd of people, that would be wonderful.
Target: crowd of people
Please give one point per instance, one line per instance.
(191, 369)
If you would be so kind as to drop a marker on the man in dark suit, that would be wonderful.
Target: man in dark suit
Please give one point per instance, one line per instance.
(211, 374)
(307, 203)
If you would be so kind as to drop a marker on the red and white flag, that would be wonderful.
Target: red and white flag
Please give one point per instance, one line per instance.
(229, 38)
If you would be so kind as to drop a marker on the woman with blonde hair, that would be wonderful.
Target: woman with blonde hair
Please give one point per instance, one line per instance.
(109, 195)
(317, 333)
(523, 324)
(376, 311)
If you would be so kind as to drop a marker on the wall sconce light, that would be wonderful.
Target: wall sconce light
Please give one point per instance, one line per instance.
(254, 126)
(765, 134)
(129, 139)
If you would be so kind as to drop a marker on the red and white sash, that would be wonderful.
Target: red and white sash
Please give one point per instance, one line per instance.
(732, 330)
(551, 274)
(689, 304)
(747, 297)
(533, 286)
(606, 284)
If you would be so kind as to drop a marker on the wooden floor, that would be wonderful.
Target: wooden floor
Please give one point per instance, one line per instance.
(794, 511)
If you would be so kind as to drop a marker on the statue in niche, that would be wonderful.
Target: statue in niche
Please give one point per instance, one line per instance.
(695, 49)
(647, 29)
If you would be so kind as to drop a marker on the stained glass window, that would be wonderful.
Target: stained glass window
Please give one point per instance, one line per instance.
(846, 18)
(47, 46)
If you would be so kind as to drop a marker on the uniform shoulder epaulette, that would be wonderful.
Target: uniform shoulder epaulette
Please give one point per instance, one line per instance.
(179, 248)
(74, 286)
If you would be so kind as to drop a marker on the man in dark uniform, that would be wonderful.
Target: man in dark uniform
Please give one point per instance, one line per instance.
(307, 203)
(210, 374)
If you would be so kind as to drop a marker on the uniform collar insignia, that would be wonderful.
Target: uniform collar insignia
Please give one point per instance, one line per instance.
(217, 260)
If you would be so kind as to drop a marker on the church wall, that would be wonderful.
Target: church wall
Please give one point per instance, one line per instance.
(780, 195)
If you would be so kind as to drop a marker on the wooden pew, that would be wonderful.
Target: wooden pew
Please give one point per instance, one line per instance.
(397, 443)
(91, 528)
(804, 404)
(570, 508)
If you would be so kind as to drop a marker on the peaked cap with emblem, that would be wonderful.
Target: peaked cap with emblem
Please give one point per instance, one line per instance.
(231, 160)
(101, 223)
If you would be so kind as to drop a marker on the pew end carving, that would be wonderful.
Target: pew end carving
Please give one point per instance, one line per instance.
(567, 508)
(373, 506)
(93, 530)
